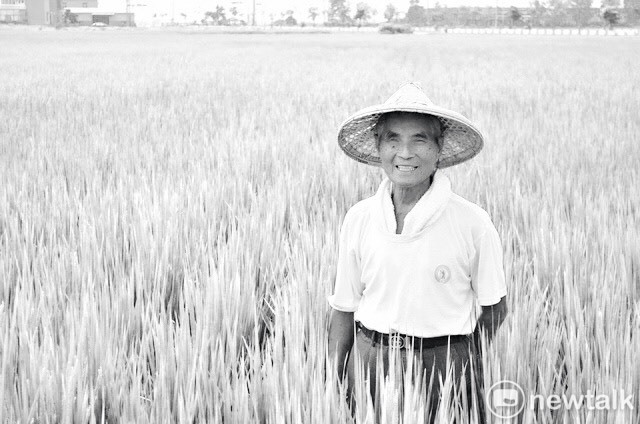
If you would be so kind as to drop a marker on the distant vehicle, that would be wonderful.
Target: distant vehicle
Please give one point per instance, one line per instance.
(393, 28)
(99, 24)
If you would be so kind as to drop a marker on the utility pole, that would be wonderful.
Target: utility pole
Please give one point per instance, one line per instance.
(253, 18)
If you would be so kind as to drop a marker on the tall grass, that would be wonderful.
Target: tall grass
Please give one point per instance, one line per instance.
(170, 206)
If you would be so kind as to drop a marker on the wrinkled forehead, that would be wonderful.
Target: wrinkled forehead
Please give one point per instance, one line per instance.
(418, 122)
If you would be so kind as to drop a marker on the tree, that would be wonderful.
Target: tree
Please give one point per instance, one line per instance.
(437, 15)
(538, 12)
(462, 17)
(583, 10)
(338, 12)
(557, 10)
(218, 17)
(313, 14)
(69, 18)
(474, 16)
(610, 16)
(632, 11)
(363, 13)
(290, 20)
(515, 15)
(610, 7)
(286, 19)
(390, 12)
(416, 14)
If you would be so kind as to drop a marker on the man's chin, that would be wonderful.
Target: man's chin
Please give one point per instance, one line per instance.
(407, 180)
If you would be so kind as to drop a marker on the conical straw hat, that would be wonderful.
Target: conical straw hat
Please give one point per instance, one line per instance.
(461, 139)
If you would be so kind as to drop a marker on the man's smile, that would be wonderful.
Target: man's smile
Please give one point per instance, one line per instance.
(406, 168)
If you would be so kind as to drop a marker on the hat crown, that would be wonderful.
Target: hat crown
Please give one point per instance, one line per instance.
(410, 93)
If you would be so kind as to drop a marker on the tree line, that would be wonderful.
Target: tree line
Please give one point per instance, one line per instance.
(540, 13)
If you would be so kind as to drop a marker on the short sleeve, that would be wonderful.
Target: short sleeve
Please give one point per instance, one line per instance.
(348, 287)
(487, 271)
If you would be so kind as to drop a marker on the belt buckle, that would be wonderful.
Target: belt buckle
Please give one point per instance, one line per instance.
(396, 341)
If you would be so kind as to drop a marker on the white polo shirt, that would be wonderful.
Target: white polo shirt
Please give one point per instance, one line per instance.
(428, 281)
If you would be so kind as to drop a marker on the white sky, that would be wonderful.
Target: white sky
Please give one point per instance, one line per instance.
(264, 8)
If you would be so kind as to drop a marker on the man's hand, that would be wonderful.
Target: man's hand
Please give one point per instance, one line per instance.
(490, 320)
(341, 332)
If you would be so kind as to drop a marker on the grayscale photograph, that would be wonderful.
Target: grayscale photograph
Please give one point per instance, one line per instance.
(320, 211)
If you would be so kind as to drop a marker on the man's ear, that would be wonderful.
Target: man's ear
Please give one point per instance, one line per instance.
(439, 156)
(439, 141)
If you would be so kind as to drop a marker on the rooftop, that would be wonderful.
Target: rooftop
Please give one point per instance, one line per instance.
(92, 10)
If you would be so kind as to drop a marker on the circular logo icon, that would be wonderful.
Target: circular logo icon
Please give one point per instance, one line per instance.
(442, 274)
(505, 399)
(396, 341)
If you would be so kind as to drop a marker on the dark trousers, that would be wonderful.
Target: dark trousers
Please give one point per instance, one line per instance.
(427, 367)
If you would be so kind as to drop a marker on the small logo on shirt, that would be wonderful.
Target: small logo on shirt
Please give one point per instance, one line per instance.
(442, 274)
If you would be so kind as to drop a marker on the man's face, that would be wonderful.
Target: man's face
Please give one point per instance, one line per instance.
(408, 152)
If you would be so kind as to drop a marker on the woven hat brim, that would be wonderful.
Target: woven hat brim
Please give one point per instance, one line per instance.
(461, 139)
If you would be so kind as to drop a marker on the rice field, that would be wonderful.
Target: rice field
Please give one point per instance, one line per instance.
(170, 206)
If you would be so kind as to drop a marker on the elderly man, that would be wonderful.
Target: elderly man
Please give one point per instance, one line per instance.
(419, 268)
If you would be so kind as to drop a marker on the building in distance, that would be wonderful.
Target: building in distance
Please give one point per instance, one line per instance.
(96, 15)
(13, 11)
(62, 12)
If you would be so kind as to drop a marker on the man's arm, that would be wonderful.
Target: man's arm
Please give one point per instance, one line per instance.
(341, 332)
(490, 320)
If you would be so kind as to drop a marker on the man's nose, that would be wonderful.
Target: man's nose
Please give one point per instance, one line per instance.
(405, 150)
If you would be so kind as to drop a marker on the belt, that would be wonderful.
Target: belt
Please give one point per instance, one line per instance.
(403, 341)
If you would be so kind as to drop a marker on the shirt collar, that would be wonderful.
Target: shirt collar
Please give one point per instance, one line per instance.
(425, 211)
